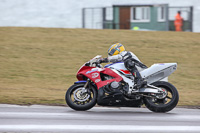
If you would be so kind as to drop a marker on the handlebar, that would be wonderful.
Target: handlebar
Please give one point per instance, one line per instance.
(95, 62)
(98, 65)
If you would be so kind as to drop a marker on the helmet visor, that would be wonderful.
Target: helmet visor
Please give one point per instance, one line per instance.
(112, 52)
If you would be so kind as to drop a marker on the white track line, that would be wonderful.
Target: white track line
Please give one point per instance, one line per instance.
(35, 114)
(77, 115)
(118, 128)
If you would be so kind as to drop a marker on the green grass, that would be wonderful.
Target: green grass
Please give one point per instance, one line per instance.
(37, 65)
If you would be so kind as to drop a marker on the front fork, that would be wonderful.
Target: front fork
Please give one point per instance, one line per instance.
(84, 90)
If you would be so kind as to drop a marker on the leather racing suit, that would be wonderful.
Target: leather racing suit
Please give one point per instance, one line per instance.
(132, 63)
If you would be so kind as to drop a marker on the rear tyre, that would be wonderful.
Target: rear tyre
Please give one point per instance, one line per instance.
(78, 101)
(163, 104)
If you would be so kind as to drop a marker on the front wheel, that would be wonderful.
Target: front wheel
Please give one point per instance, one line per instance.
(80, 101)
(160, 103)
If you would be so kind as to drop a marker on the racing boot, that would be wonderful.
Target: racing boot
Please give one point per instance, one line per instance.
(139, 81)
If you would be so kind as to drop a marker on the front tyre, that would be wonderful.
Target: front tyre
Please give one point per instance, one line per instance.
(163, 104)
(78, 101)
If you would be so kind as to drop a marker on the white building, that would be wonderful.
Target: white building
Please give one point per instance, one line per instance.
(68, 13)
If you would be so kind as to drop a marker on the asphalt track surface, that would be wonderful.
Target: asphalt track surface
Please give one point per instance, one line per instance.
(48, 119)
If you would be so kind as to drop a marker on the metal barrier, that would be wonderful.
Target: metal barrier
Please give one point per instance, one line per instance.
(96, 18)
(102, 18)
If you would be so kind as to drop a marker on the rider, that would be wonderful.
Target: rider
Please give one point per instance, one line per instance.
(117, 53)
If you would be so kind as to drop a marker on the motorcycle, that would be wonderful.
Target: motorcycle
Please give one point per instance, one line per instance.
(113, 85)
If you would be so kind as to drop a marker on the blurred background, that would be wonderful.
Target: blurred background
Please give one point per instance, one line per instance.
(107, 14)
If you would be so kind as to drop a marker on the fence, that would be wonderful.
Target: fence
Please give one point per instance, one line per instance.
(95, 18)
(102, 18)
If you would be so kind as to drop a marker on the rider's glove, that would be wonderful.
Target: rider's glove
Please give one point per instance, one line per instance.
(103, 60)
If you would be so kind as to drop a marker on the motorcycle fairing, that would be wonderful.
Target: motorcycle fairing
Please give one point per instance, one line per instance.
(94, 74)
(120, 67)
(81, 81)
(154, 73)
(106, 66)
(158, 72)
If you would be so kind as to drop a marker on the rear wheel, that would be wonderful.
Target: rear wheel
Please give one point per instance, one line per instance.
(165, 102)
(80, 101)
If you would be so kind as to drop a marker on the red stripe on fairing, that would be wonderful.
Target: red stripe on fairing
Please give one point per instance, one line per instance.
(125, 71)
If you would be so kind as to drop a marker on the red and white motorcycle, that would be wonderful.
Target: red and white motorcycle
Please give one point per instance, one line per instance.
(113, 85)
